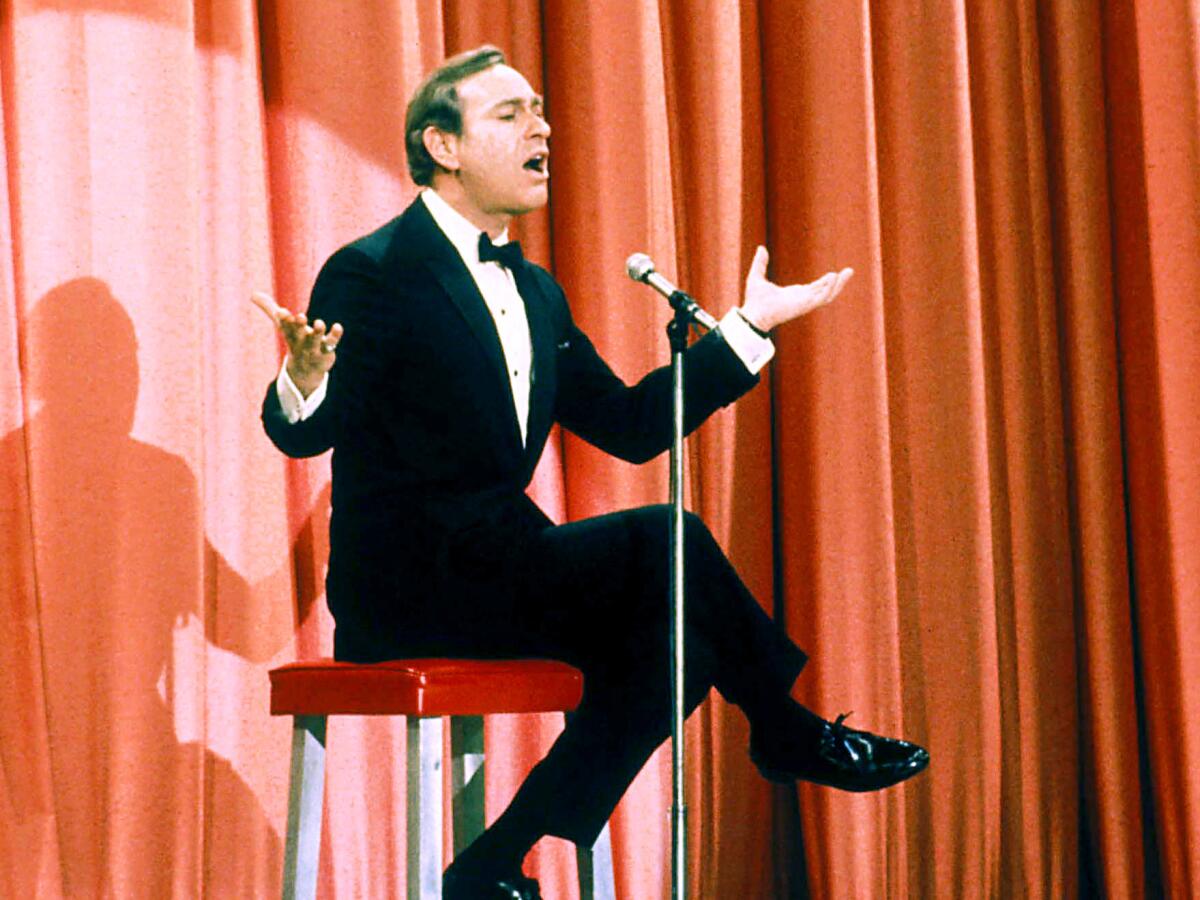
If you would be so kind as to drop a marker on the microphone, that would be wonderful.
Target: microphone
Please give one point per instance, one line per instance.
(640, 267)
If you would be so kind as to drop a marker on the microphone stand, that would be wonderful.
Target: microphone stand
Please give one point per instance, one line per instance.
(677, 334)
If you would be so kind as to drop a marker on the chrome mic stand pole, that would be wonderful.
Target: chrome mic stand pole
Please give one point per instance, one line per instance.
(640, 268)
(677, 334)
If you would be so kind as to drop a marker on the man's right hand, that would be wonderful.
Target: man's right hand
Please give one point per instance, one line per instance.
(311, 348)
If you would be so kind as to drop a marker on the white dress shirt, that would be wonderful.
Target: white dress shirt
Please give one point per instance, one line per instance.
(499, 290)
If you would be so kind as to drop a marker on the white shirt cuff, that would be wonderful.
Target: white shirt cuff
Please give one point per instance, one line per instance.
(754, 350)
(297, 407)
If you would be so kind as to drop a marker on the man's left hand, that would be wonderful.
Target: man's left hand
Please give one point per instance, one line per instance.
(767, 304)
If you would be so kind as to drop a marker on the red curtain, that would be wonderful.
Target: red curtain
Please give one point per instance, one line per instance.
(971, 487)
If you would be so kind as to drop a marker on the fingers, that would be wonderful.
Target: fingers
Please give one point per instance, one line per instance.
(334, 337)
(758, 265)
(838, 281)
(267, 304)
(314, 340)
(281, 316)
(327, 342)
(829, 285)
(302, 339)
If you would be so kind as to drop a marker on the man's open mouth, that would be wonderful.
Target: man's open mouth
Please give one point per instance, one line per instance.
(537, 163)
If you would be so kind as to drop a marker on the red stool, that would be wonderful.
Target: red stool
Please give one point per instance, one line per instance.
(424, 690)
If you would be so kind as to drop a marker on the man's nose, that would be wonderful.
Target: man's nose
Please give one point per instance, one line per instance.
(539, 127)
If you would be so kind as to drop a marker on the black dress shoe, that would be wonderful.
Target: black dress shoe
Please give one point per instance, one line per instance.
(458, 884)
(838, 757)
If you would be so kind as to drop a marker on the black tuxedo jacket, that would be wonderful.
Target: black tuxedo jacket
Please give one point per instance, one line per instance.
(429, 472)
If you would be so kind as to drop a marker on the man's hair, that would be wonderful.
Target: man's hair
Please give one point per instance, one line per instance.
(436, 102)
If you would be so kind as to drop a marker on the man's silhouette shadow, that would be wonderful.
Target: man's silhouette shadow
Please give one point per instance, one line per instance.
(110, 565)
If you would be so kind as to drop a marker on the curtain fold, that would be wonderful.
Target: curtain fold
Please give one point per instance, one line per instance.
(969, 487)
(1074, 112)
(1150, 59)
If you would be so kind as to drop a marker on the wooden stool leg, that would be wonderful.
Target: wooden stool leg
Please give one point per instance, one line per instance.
(467, 776)
(306, 796)
(424, 808)
(596, 869)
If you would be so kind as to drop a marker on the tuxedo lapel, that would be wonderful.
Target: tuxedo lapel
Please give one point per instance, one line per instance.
(421, 242)
(462, 290)
(543, 374)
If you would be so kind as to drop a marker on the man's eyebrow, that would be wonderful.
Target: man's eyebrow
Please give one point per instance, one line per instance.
(534, 102)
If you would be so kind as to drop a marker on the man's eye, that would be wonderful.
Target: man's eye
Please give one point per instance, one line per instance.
(508, 117)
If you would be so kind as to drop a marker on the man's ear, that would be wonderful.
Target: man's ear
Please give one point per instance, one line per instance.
(442, 147)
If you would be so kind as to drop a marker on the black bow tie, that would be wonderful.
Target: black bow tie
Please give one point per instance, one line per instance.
(508, 255)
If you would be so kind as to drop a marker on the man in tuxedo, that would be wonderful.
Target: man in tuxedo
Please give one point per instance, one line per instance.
(454, 357)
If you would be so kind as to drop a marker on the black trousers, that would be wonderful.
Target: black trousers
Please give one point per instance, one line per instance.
(595, 594)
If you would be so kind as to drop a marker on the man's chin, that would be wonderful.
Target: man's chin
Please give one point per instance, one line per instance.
(528, 203)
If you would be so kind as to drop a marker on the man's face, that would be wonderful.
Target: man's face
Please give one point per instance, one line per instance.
(502, 154)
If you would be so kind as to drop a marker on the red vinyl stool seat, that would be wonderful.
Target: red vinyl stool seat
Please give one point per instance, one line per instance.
(423, 690)
(425, 687)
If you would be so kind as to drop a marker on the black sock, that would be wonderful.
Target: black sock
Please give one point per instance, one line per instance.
(502, 848)
(804, 718)
(777, 709)
(782, 722)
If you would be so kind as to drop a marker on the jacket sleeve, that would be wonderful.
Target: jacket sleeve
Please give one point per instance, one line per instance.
(634, 422)
(348, 290)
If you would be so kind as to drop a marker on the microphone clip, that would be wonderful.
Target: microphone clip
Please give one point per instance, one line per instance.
(640, 268)
(689, 310)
